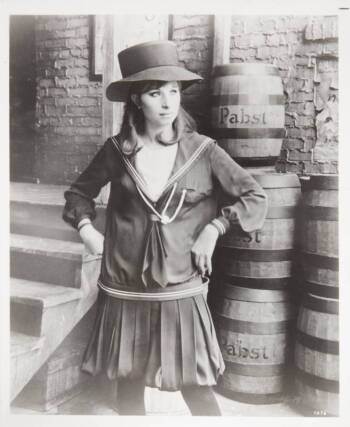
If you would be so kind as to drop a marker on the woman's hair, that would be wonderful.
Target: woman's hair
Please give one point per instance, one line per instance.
(133, 124)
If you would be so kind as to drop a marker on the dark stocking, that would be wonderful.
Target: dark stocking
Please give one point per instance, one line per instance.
(130, 397)
(201, 400)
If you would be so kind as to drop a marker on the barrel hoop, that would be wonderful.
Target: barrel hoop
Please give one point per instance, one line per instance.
(247, 133)
(246, 99)
(281, 212)
(321, 213)
(253, 328)
(258, 283)
(255, 370)
(278, 180)
(253, 295)
(321, 261)
(322, 305)
(323, 182)
(325, 291)
(256, 255)
(245, 70)
(252, 398)
(318, 344)
(319, 383)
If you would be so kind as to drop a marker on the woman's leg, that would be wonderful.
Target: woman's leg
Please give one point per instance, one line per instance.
(201, 400)
(130, 397)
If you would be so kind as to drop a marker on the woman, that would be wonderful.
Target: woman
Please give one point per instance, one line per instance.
(153, 327)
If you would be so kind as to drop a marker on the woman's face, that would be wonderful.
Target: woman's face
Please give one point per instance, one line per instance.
(160, 105)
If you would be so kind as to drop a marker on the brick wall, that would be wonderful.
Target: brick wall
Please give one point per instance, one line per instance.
(68, 116)
(305, 49)
(69, 105)
(193, 35)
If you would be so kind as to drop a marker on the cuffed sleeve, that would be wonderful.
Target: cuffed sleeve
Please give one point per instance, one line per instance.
(245, 201)
(80, 196)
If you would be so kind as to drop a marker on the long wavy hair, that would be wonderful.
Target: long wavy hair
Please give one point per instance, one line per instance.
(133, 124)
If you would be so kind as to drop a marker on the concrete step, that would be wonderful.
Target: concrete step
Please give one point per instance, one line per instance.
(58, 321)
(36, 210)
(61, 377)
(36, 307)
(46, 260)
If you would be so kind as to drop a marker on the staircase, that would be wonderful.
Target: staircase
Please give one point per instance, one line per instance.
(53, 280)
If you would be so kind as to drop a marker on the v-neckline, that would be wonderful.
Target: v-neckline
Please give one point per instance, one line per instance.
(181, 164)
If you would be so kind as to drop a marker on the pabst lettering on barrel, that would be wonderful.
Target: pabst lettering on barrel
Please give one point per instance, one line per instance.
(227, 116)
(237, 349)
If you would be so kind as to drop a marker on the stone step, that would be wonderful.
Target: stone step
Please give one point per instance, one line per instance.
(46, 260)
(36, 307)
(61, 377)
(36, 210)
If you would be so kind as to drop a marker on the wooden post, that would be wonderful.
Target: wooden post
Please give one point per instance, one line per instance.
(222, 38)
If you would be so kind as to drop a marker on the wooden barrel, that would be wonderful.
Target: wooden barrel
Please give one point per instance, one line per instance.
(253, 304)
(264, 259)
(252, 328)
(247, 112)
(317, 356)
(320, 235)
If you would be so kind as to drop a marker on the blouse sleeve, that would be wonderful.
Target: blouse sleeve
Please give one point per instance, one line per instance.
(79, 197)
(245, 200)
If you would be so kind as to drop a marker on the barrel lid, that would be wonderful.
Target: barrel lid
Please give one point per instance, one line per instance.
(323, 182)
(246, 68)
(277, 180)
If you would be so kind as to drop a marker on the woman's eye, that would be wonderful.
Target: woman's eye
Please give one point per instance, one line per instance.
(154, 93)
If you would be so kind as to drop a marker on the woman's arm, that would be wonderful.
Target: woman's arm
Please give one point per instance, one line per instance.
(245, 200)
(79, 209)
(246, 204)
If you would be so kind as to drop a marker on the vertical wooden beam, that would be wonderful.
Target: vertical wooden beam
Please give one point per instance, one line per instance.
(222, 38)
(108, 74)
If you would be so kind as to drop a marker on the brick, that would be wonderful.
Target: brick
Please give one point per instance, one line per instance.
(293, 144)
(321, 28)
(78, 91)
(87, 121)
(77, 72)
(66, 101)
(88, 101)
(53, 110)
(76, 22)
(241, 41)
(302, 96)
(268, 25)
(81, 110)
(64, 63)
(56, 91)
(55, 43)
(244, 55)
(52, 24)
(305, 121)
(76, 130)
(296, 155)
(46, 83)
(67, 83)
(237, 26)
(76, 42)
(273, 40)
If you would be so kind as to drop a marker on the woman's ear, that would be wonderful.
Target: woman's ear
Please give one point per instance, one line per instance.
(136, 100)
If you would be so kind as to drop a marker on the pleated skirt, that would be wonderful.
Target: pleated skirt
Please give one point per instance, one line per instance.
(170, 344)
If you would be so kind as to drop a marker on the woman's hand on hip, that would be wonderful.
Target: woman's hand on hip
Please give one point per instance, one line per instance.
(93, 239)
(203, 249)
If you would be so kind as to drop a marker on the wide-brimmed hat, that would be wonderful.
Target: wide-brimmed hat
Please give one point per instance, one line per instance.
(156, 60)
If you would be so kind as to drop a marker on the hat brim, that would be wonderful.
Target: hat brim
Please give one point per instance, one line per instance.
(119, 90)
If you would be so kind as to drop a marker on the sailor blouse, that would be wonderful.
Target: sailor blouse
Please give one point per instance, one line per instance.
(148, 243)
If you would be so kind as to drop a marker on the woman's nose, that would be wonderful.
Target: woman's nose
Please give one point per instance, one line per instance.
(165, 101)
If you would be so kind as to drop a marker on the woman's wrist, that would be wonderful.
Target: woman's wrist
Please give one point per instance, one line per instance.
(84, 222)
